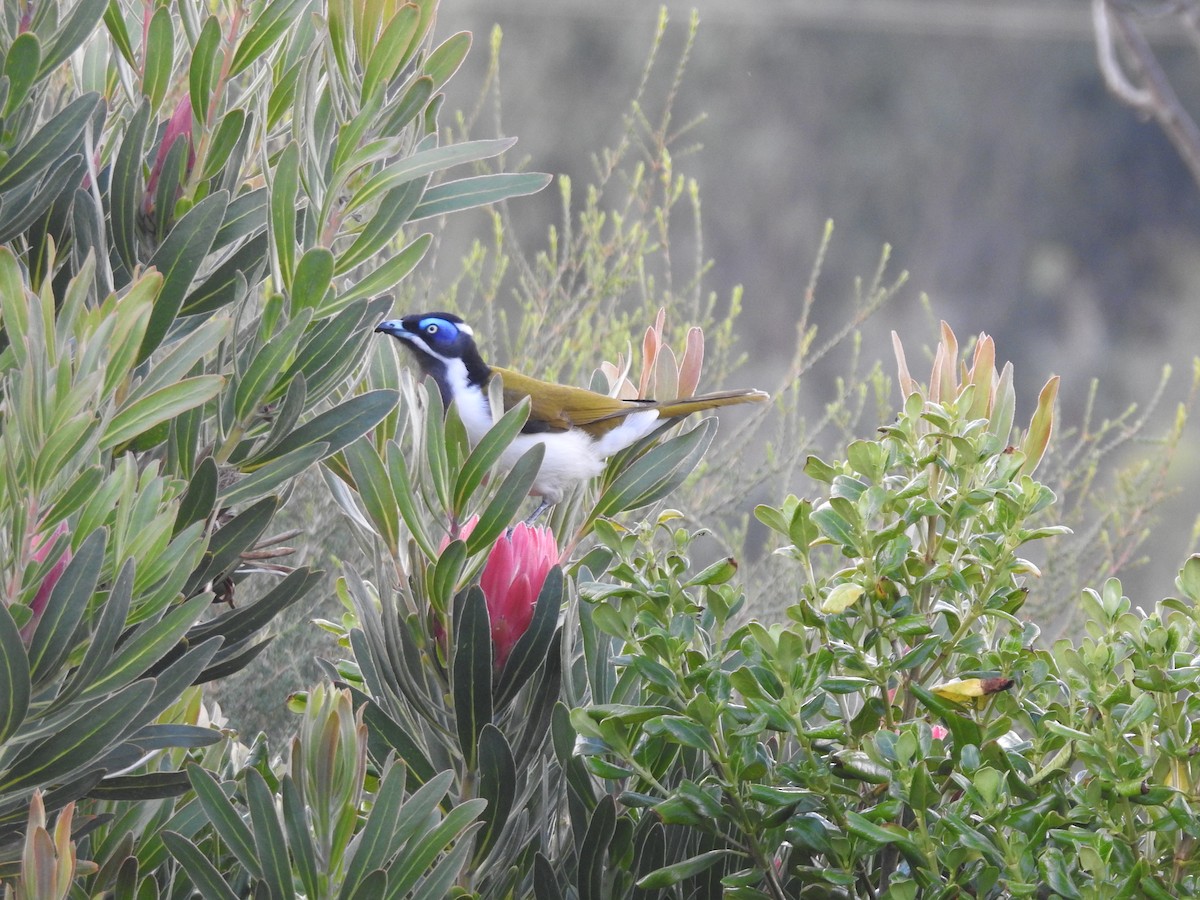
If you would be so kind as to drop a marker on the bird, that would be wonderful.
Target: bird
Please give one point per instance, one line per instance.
(579, 429)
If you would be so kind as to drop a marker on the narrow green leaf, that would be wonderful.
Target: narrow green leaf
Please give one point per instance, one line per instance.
(225, 139)
(225, 819)
(179, 258)
(49, 143)
(688, 868)
(205, 876)
(163, 405)
(200, 498)
(268, 835)
(337, 427)
(104, 639)
(405, 875)
(228, 542)
(15, 687)
(471, 673)
(391, 50)
(374, 489)
(383, 279)
(55, 632)
(245, 215)
(228, 282)
(243, 621)
(114, 21)
(426, 162)
(656, 473)
(487, 452)
(151, 786)
(267, 366)
(497, 785)
(285, 183)
(499, 513)
(385, 224)
(529, 652)
(405, 496)
(80, 742)
(202, 70)
(593, 850)
(480, 190)
(279, 471)
(147, 646)
(183, 356)
(126, 188)
(79, 24)
(159, 56)
(382, 725)
(376, 843)
(266, 30)
(299, 837)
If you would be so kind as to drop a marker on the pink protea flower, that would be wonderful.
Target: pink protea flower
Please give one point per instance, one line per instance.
(178, 128)
(512, 578)
(41, 545)
(940, 732)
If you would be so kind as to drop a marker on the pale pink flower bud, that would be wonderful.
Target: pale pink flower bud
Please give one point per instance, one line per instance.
(41, 545)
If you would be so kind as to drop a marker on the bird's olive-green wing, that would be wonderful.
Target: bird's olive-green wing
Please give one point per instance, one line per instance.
(558, 407)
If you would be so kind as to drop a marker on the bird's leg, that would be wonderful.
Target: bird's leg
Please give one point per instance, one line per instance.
(541, 508)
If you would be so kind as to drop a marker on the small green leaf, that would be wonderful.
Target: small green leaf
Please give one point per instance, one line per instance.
(79, 24)
(314, 275)
(21, 68)
(444, 61)
(202, 70)
(225, 138)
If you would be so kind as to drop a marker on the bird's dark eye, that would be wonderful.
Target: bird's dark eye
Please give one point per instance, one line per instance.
(431, 329)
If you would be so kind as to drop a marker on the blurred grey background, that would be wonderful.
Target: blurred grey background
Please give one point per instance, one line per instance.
(976, 137)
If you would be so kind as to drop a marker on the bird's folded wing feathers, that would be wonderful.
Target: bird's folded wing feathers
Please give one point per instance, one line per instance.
(559, 407)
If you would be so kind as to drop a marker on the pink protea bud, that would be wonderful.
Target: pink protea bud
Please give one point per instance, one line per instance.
(40, 547)
(940, 732)
(512, 578)
(178, 128)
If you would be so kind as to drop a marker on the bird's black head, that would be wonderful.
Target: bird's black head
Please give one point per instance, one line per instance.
(437, 334)
(438, 340)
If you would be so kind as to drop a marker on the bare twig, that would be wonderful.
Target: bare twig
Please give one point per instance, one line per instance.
(1145, 87)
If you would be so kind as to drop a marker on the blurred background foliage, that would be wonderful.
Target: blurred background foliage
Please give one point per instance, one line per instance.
(977, 140)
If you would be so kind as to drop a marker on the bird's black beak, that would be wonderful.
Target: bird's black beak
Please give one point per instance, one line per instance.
(390, 326)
